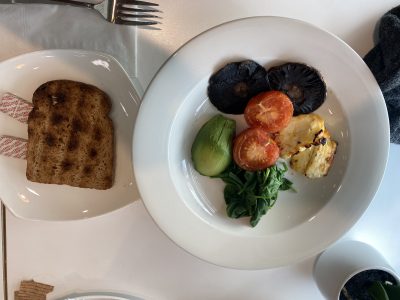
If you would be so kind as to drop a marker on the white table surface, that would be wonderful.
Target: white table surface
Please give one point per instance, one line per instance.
(124, 251)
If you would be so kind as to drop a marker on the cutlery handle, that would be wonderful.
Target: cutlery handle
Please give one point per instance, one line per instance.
(88, 3)
(94, 2)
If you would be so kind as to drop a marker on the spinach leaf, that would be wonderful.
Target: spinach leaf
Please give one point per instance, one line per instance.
(252, 194)
(286, 185)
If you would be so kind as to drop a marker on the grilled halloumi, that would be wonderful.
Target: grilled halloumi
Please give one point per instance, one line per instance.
(315, 161)
(299, 161)
(302, 132)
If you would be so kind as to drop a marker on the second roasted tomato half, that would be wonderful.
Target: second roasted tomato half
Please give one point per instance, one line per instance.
(255, 150)
(270, 110)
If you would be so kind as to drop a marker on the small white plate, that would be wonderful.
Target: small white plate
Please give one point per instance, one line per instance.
(99, 296)
(21, 76)
(190, 208)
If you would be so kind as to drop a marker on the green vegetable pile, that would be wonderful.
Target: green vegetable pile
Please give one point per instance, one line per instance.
(247, 194)
(252, 194)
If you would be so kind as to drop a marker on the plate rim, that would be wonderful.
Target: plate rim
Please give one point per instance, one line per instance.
(96, 295)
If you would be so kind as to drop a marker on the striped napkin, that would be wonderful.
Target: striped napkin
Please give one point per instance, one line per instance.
(18, 109)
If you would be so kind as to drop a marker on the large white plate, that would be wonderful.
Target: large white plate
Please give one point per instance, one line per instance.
(21, 76)
(190, 208)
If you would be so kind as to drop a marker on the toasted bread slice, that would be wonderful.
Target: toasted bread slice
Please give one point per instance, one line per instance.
(70, 136)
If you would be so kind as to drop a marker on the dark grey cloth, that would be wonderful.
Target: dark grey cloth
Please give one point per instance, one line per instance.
(384, 62)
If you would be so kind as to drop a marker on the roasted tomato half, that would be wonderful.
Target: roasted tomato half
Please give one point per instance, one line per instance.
(271, 111)
(255, 150)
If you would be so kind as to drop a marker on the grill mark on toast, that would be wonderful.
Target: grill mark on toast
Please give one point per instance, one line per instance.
(92, 157)
(71, 140)
(78, 129)
(36, 114)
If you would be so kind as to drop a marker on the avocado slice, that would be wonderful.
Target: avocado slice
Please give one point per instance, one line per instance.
(212, 148)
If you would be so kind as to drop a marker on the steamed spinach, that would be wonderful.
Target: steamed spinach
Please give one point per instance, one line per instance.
(252, 194)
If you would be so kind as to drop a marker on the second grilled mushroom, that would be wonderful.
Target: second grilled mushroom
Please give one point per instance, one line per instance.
(303, 84)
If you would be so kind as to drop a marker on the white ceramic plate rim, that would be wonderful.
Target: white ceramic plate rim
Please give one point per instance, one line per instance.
(214, 244)
(61, 202)
(99, 296)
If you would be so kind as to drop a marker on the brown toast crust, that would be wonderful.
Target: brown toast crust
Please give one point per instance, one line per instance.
(70, 136)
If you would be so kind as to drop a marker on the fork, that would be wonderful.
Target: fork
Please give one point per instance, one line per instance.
(124, 12)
